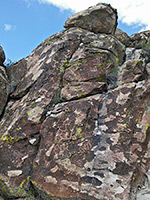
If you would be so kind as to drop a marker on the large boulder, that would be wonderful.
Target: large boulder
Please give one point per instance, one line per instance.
(101, 18)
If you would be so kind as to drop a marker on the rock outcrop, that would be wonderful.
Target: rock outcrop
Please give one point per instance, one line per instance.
(101, 18)
(75, 115)
(2, 56)
(4, 83)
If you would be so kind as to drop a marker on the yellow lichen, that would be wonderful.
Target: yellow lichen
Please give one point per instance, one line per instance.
(137, 120)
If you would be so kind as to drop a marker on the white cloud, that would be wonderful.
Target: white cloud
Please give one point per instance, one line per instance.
(9, 27)
(130, 11)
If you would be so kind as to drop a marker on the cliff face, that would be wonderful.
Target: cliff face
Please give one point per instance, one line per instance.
(75, 114)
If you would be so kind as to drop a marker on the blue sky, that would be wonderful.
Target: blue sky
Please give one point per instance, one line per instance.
(25, 24)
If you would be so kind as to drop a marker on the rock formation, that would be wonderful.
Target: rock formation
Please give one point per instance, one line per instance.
(75, 114)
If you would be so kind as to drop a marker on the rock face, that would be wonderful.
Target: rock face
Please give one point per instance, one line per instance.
(101, 18)
(140, 40)
(4, 88)
(76, 122)
(2, 56)
(122, 36)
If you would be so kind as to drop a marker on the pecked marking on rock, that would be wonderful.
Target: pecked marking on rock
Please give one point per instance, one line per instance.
(14, 173)
(50, 179)
(35, 114)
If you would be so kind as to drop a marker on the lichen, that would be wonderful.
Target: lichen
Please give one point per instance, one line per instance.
(49, 41)
(9, 139)
(67, 63)
(147, 126)
(9, 193)
(81, 96)
(116, 59)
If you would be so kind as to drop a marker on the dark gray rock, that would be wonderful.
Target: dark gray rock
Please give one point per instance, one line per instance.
(4, 88)
(2, 56)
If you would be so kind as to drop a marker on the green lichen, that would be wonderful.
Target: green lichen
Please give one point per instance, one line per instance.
(24, 120)
(34, 182)
(121, 137)
(67, 110)
(3, 136)
(78, 134)
(9, 193)
(81, 96)
(116, 59)
(1, 125)
(28, 178)
(28, 112)
(79, 130)
(22, 183)
(133, 178)
(100, 79)
(136, 120)
(9, 139)
(33, 102)
(17, 129)
(67, 63)
(49, 41)
(84, 61)
(61, 69)
(147, 126)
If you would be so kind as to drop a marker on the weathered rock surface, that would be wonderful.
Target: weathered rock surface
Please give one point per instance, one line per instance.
(76, 121)
(122, 37)
(2, 56)
(101, 18)
(4, 88)
(140, 40)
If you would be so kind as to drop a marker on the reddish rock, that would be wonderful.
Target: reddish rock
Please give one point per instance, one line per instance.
(66, 143)
(95, 66)
(76, 123)
(77, 90)
(131, 71)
